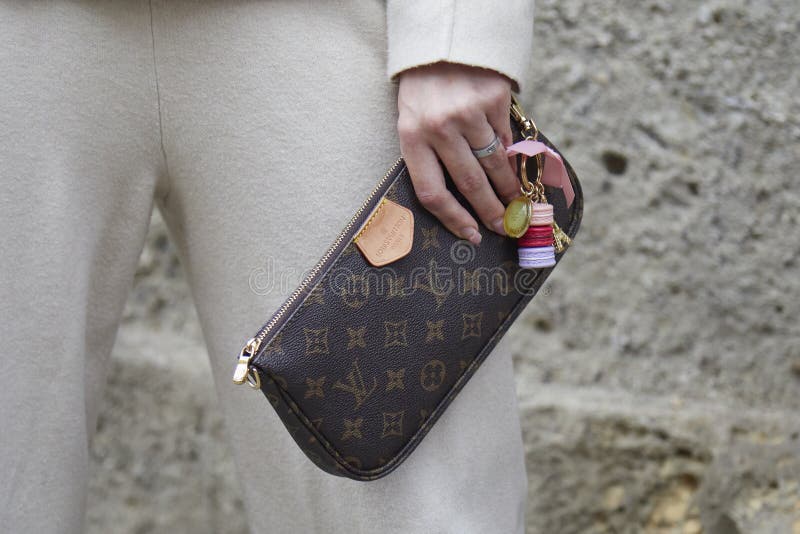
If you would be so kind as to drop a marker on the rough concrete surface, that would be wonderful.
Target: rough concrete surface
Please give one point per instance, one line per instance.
(659, 368)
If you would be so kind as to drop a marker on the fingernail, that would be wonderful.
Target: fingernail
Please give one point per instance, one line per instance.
(471, 234)
(498, 226)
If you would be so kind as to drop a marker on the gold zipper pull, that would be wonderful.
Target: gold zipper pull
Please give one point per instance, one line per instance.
(560, 238)
(243, 372)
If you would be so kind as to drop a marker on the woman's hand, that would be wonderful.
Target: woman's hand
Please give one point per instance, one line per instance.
(445, 110)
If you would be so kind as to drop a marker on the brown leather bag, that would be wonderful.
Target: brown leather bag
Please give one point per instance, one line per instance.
(364, 356)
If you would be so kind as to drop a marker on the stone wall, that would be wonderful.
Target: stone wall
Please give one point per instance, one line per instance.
(659, 369)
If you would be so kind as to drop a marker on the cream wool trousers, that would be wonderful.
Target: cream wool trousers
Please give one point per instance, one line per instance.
(256, 128)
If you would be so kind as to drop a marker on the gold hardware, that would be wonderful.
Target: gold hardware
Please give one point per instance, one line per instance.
(560, 239)
(253, 378)
(528, 127)
(535, 190)
(527, 187)
(243, 372)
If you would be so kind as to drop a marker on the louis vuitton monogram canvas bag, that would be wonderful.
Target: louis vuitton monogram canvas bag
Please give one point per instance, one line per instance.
(367, 353)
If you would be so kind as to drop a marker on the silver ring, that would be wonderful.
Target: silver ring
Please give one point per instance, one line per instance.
(489, 149)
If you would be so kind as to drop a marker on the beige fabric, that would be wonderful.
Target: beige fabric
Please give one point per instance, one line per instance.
(493, 35)
(256, 128)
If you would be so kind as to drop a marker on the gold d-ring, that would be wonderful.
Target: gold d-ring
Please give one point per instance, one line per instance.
(253, 379)
(528, 188)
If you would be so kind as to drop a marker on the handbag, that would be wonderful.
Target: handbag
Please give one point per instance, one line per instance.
(380, 337)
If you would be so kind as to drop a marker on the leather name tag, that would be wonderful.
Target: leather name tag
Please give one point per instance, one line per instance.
(387, 235)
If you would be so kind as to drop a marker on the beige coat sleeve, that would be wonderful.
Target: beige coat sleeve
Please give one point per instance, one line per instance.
(494, 35)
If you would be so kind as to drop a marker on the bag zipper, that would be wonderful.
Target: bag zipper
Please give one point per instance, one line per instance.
(244, 372)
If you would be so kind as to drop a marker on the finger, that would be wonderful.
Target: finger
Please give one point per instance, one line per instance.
(496, 165)
(471, 180)
(429, 186)
(500, 121)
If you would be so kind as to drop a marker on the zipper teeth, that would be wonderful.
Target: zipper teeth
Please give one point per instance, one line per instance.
(262, 334)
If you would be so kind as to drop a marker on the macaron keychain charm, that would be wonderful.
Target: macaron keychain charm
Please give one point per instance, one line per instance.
(536, 244)
(536, 247)
(529, 217)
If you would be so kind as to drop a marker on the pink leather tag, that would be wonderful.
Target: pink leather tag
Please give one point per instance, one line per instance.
(554, 173)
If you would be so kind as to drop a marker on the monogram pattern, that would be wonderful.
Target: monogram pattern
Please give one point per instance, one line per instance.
(472, 324)
(435, 331)
(430, 283)
(355, 337)
(396, 333)
(395, 379)
(315, 387)
(392, 424)
(355, 385)
(316, 340)
(380, 364)
(431, 377)
(352, 428)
